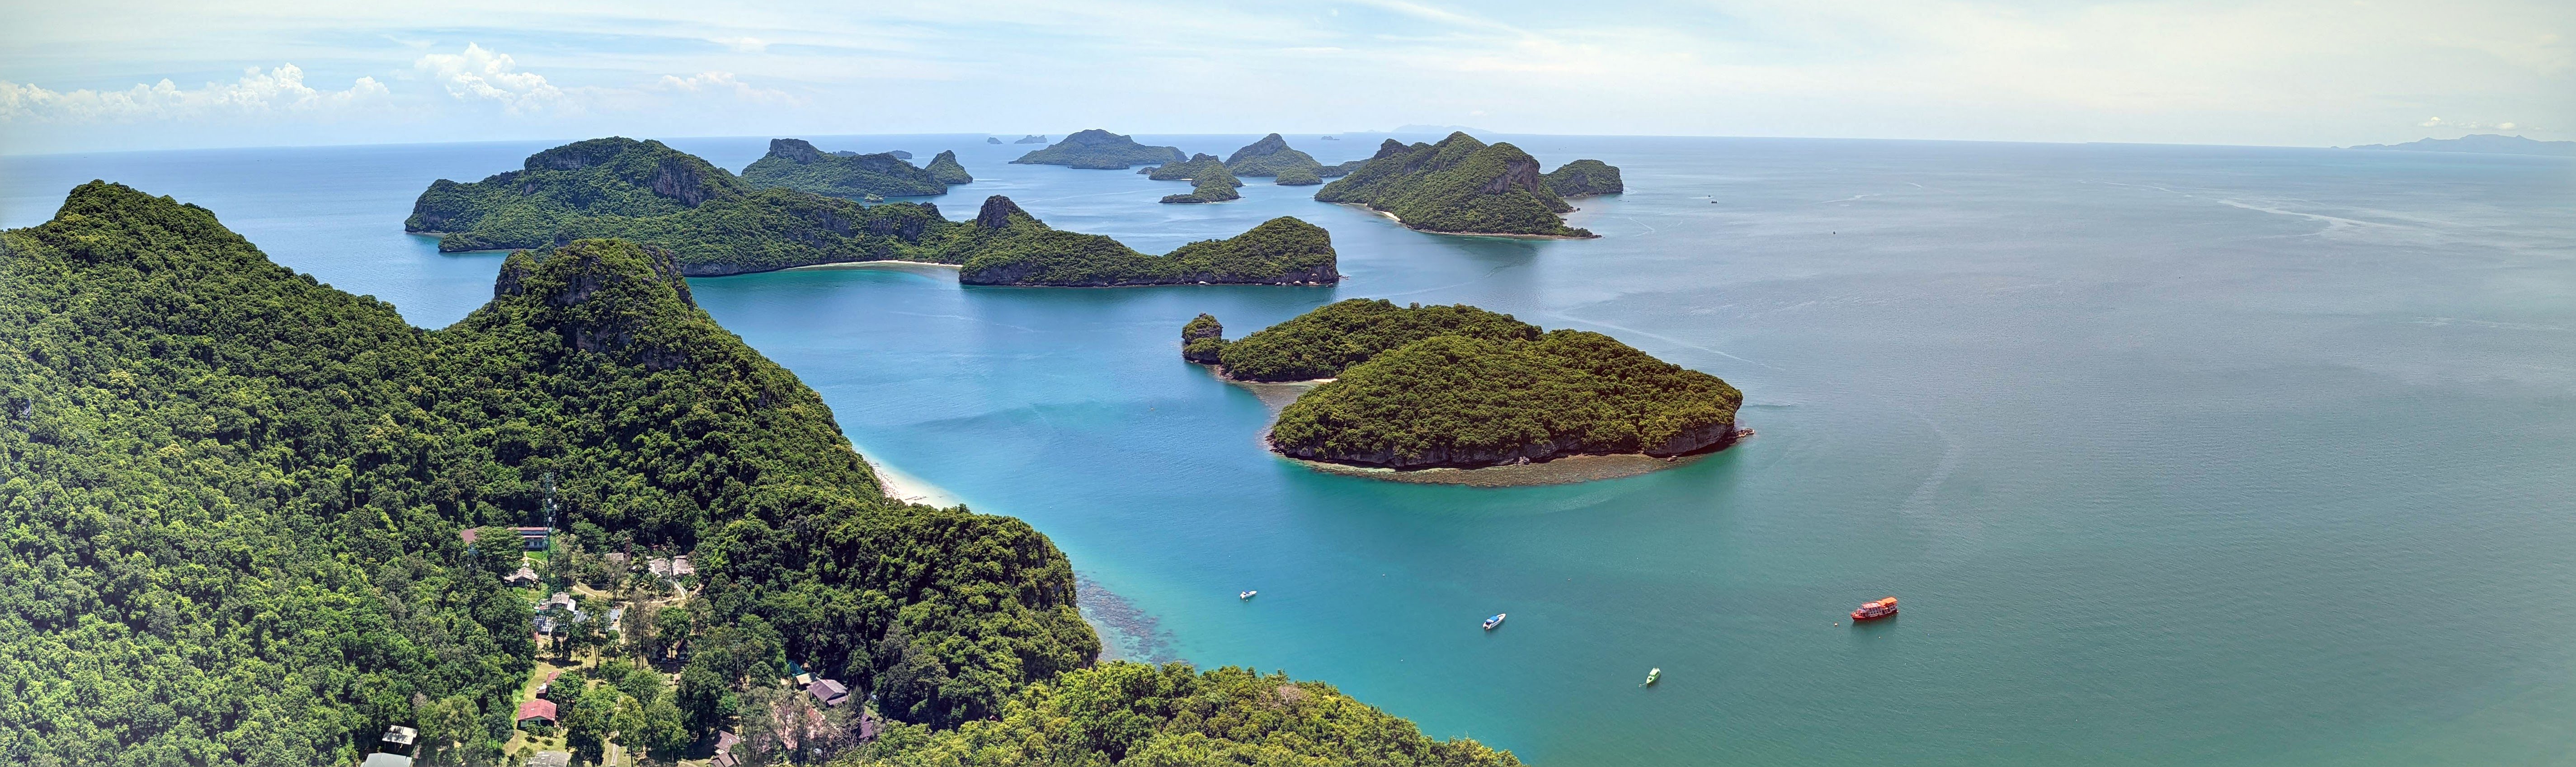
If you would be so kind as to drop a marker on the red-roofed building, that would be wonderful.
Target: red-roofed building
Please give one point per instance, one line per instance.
(538, 711)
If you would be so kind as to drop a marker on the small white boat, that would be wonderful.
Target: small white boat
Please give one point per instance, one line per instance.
(1497, 620)
(1247, 595)
(1652, 674)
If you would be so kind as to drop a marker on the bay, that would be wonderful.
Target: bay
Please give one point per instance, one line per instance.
(2176, 455)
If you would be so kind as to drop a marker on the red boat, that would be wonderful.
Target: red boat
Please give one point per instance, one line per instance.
(1875, 610)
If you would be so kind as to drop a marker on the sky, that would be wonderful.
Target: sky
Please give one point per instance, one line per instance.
(98, 75)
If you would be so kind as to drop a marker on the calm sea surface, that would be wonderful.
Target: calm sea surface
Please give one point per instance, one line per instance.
(2176, 455)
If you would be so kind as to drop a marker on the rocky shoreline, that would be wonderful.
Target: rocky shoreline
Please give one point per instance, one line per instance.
(1399, 220)
(1702, 440)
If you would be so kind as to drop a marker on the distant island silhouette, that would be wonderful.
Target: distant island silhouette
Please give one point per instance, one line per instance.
(2483, 143)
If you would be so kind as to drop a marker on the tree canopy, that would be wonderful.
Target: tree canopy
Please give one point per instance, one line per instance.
(237, 497)
(1170, 716)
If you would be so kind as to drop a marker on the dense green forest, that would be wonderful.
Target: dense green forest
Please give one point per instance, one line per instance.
(1459, 185)
(1271, 157)
(1011, 247)
(1100, 150)
(235, 495)
(1419, 386)
(717, 225)
(796, 164)
(1323, 342)
(944, 167)
(653, 194)
(1585, 178)
(1171, 716)
(1208, 177)
(1463, 401)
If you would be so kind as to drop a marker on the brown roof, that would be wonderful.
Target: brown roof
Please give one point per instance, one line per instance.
(539, 708)
(829, 692)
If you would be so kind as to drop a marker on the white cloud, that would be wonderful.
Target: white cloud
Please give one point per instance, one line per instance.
(481, 75)
(723, 83)
(2470, 124)
(277, 91)
(742, 44)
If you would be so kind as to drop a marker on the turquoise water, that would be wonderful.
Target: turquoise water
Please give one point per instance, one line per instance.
(2176, 455)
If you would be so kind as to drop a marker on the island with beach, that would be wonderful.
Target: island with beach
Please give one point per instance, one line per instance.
(1441, 393)
(1459, 186)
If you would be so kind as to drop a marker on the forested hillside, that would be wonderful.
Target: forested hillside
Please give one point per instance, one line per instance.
(1133, 714)
(1011, 247)
(796, 164)
(1459, 185)
(234, 498)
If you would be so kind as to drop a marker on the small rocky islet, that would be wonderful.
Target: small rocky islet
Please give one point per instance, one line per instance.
(1446, 387)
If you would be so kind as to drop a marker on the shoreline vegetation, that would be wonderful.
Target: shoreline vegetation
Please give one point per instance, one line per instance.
(1456, 387)
(259, 455)
(1465, 186)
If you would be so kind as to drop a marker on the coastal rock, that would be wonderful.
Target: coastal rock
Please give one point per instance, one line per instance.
(1203, 340)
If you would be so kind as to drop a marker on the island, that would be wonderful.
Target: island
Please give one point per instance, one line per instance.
(992, 140)
(1457, 186)
(1456, 387)
(716, 224)
(944, 168)
(1011, 247)
(652, 194)
(1101, 150)
(796, 164)
(2483, 143)
(311, 462)
(1585, 178)
(1271, 157)
(1210, 181)
(1030, 139)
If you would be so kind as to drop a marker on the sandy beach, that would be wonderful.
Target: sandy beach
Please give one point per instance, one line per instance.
(902, 486)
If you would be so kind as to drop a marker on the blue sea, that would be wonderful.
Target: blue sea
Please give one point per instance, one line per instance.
(2176, 455)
